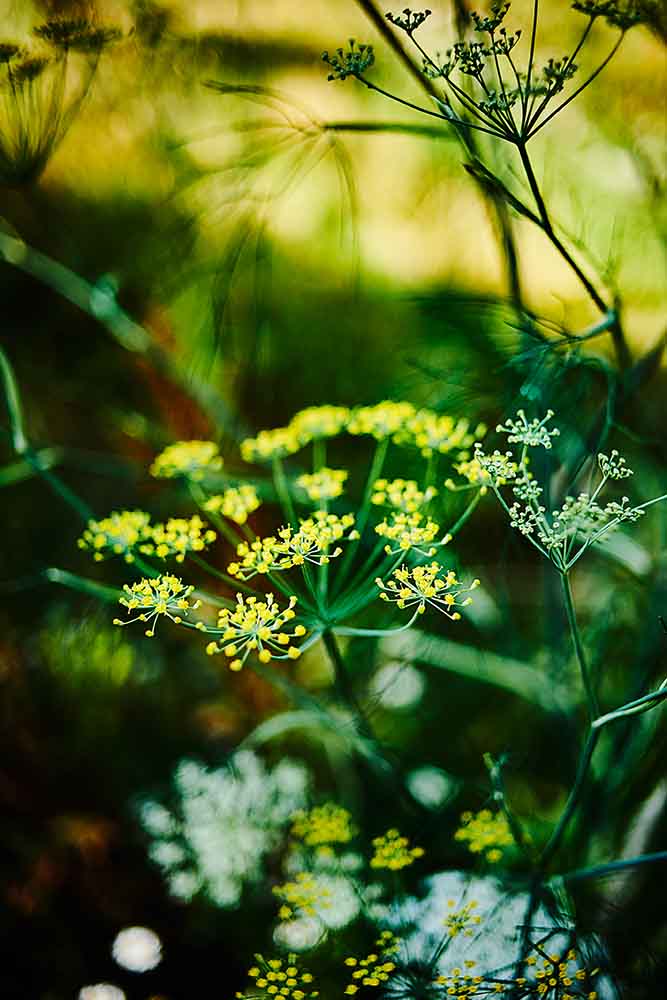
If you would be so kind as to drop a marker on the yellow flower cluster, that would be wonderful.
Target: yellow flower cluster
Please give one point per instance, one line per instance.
(435, 433)
(307, 425)
(408, 531)
(177, 537)
(551, 976)
(311, 543)
(393, 851)
(192, 459)
(254, 625)
(461, 920)
(162, 595)
(323, 825)
(319, 422)
(548, 977)
(375, 969)
(115, 535)
(484, 470)
(235, 503)
(464, 984)
(276, 443)
(323, 485)
(276, 977)
(384, 420)
(485, 833)
(425, 585)
(402, 494)
(303, 897)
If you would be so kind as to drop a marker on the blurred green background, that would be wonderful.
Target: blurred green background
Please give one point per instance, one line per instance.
(279, 249)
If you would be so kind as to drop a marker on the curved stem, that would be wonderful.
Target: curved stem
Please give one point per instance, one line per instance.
(573, 799)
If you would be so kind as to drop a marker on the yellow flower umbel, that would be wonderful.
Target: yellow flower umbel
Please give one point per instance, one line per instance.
(256, 626)
(161, 595)
(546, 977)
(426, 585)
(461, 920)
(375, 969)
(483, 471)
(235, 503)
(409, 531)
(116, 535)
(192, 459)
(303, 897)
(316, 422)
(263, 555)
(393, 851)
(382, 421)
(312, 542)
(323, 825)
(485, 833)
(177, 537)
(276, 443)
(278, 977)
(435, 433)
(327, 484)
(401, 494)
(461, 985)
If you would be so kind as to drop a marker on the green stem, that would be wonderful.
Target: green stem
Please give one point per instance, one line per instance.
(282, 489)
(573, 799)
(548, 229)
(81, 584)
(14, 408)
(319, 454)
(591, 697)
(373, 474)
(611, 868)
(343, 684)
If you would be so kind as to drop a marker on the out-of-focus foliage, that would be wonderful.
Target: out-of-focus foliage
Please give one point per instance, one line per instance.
(200, 236)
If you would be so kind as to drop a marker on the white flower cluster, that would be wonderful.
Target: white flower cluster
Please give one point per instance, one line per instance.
(563, 534)
(226, 821)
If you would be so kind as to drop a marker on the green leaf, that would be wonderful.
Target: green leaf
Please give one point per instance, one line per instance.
(522, 679)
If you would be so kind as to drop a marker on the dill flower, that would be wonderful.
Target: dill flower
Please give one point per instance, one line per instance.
(424, 585)
(461, 920)
(384, 420)
(263, 555)
(116, 535)
(311, 543)
(162, 595)
(177, 537)
(317, 422)
(485, 833)
(392, 851)
(78, 34)
(546, 976)
(409, 531)
(402, 494)
(254, 625)
(323, 825)
(532, 433)
(350, 62)
(278, 977)
(192, 459)
(235, 503)
(327, 484)
(269, 444)
(435, 433)
(484, 470)
(305, 896)
(375, 969)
